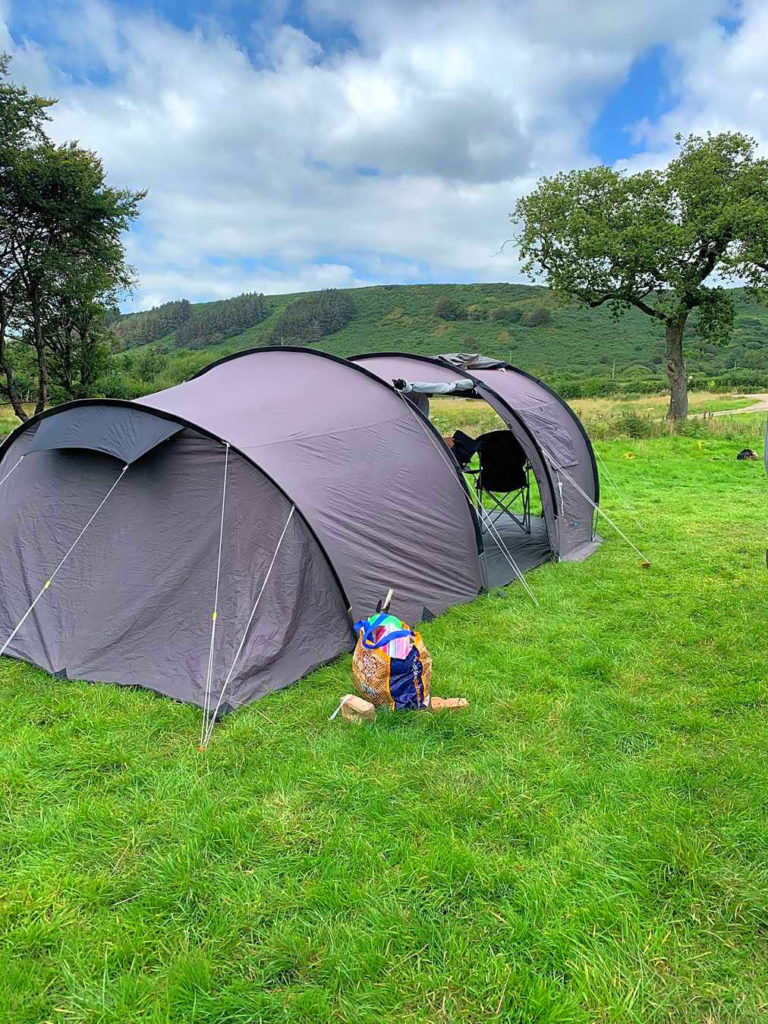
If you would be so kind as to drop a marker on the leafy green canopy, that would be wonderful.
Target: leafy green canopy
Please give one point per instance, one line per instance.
(313, 316)
(657, 240)
(62, 259)
(652, 239)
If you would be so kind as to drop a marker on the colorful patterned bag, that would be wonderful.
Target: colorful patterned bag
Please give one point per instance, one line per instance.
(400, 683)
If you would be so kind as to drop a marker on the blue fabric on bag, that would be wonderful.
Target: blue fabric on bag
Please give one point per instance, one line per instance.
(405, 682)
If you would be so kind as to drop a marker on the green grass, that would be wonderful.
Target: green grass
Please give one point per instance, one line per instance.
(588, 842)
(9, 420)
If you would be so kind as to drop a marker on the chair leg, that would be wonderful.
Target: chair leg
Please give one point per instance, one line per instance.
(505, 507)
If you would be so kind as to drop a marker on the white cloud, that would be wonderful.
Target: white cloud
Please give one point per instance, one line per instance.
(261, 149)
(722, 81)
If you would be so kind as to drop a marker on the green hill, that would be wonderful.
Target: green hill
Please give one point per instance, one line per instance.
(582, 351)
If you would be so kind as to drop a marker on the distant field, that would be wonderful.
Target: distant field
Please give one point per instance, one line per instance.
(603, 417)
(9, 420)
(699, 402)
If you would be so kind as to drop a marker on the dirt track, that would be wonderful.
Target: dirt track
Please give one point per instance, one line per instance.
(761, 405)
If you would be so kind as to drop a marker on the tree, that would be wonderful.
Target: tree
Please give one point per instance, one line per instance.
(62, 260)
(22, 118)
(655, 240)
(77, 336)
(449, 309)
(312, 317)
(213, 322)
(65, 231)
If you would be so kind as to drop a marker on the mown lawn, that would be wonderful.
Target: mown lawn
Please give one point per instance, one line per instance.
(587, 843)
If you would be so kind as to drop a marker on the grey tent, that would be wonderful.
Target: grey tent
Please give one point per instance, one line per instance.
(284, 490)
(551, 435)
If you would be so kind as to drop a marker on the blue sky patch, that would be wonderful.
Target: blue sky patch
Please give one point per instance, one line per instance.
(645, 93)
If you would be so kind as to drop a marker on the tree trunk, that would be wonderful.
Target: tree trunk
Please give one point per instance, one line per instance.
(10, 384)
(678, 383)
(6, 369)
(66, 360)
(42, 363)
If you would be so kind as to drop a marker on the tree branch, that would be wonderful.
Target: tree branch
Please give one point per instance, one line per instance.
(631, 299)
(648, 309)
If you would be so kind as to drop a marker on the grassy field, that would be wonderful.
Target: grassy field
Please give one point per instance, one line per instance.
(605, 418)
(9, 420)
(587, 843)
(656, 405)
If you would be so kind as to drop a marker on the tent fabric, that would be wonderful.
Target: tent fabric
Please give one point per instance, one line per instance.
(545, 426)
(365, 469)
(132, 605)
(563, 443)
(387, 365)
(471, 361)
(126, 433)
(371, 495)
(529, 549)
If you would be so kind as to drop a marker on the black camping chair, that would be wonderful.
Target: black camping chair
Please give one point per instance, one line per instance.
(464, 447)
(504, 476)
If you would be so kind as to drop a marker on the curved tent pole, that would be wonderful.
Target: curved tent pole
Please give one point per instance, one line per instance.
(491, 528)
(212, 719)
(571, 413)
(215, 612)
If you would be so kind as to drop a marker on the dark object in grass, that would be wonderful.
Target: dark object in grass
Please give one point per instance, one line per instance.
(747, 454)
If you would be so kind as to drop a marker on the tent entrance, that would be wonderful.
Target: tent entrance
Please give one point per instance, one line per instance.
(528, 549)
(506, 497)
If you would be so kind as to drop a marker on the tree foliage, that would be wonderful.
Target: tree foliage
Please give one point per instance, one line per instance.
(194, 326)
(655, 240)
(62, 261)
(151, 324)
(312, 317)
(449, 309)
(217, 321)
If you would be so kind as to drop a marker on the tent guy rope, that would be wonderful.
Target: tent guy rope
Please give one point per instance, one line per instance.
(503, 547)
(53, 575)
(11, 470)
(215, 612)
(559, 469)
(212, 719)
(609, 477)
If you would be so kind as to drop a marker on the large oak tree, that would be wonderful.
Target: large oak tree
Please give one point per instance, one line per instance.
(661, 241)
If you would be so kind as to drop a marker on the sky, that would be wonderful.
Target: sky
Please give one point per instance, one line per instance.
(302, 144)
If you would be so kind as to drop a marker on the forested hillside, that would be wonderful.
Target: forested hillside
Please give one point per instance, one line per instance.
(581, 351)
